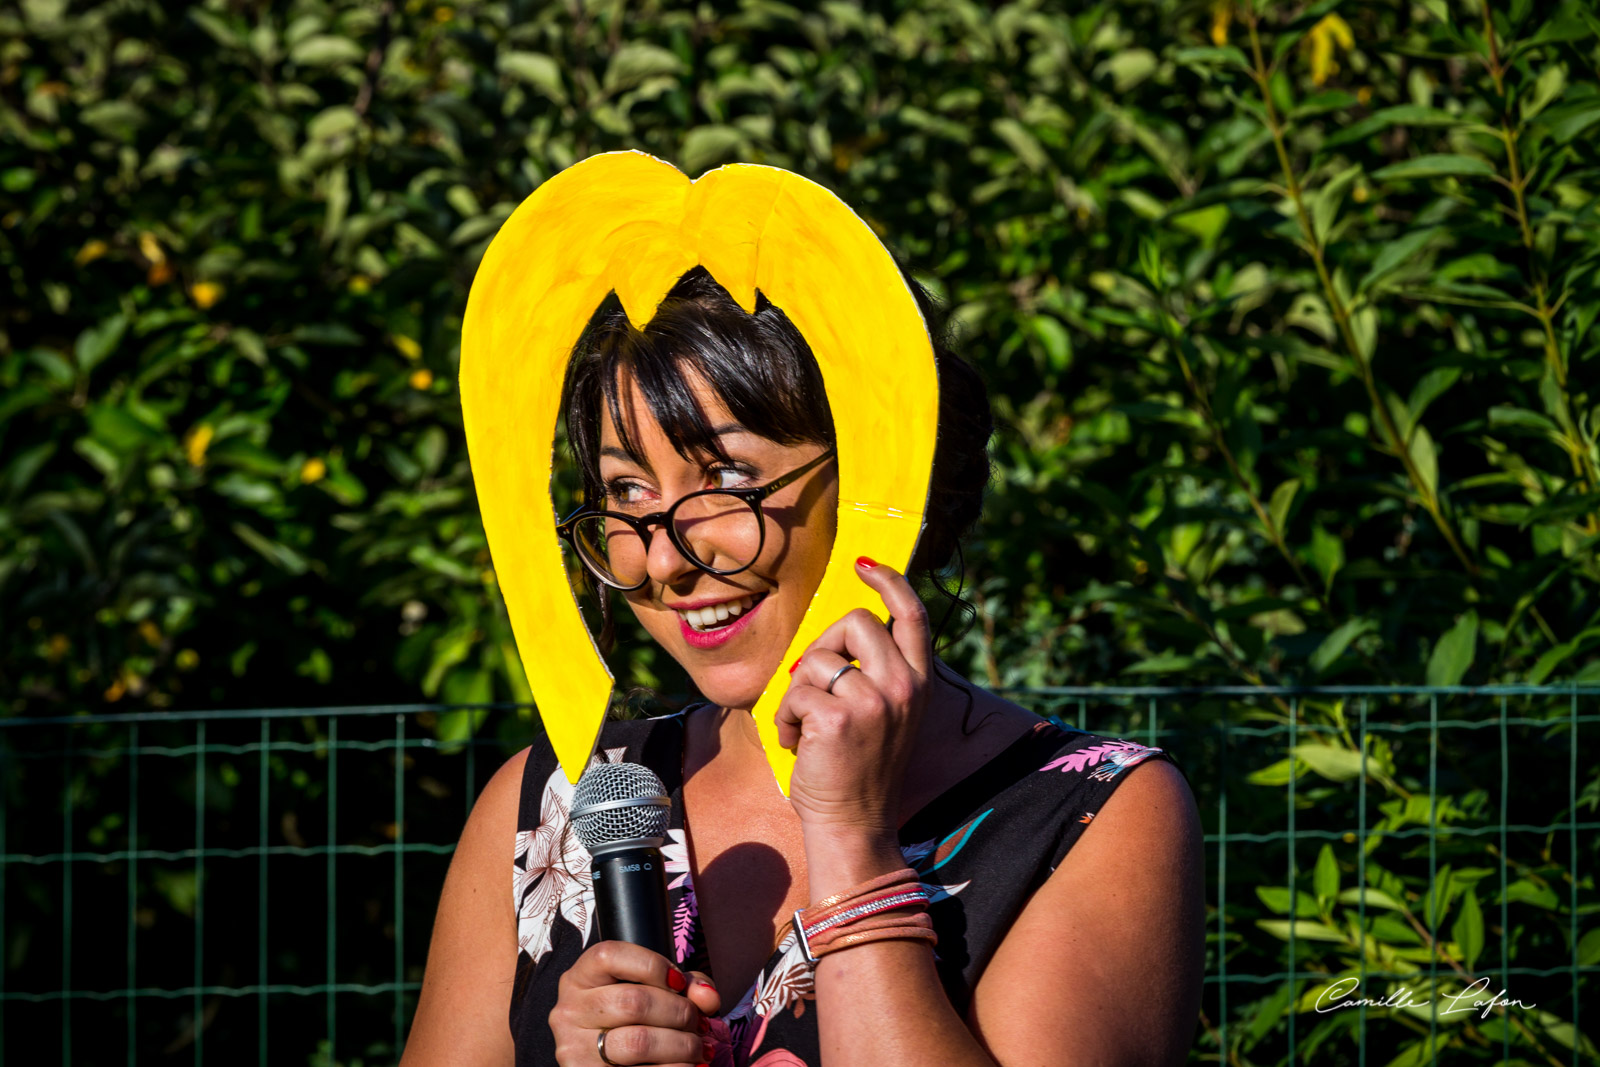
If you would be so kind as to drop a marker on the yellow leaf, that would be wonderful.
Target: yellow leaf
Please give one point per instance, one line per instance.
(91, 251)
(1221, 19)
(421, 379)
(408, 348)
(195, 445)
(360, 284)
(205, 294)
(313, 470)
(150, 632)
(150, 248)
(1320, 41)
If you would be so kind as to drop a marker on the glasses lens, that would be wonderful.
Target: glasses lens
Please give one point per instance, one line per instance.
(721, 531)
(612, 548)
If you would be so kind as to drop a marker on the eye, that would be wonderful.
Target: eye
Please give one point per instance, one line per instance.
(729, 478)
(625, 491)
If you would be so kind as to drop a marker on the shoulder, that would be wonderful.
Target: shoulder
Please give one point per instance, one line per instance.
(1124, 915)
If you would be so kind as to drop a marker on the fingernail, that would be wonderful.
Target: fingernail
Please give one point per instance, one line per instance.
(705, 1027)
(708, 1050)
(866, 562)
(676, 980)
(795, 664)
(708, 985)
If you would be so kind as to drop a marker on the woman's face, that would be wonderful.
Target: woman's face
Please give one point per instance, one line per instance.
(732, 659)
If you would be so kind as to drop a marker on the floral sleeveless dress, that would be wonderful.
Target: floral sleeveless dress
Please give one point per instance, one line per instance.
(983, 846)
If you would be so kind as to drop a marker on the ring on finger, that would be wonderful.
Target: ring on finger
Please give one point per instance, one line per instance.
(600, 1044)
(838, 673)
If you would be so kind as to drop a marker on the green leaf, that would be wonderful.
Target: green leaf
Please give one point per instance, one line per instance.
(1546, 89)
(1428, 389)
(1277, 774)
(325, 50)
(1424, 459)
(1327, 556)
(118, 119)
(1589, 948)
(636, 62)
(1334, 764)
(279, 555)
(1326, 877)
(1301, 929)
(1022, 141)
(1452, 656)
(1282, 500)
(1326, 201)
(1467, 930)
(706, 146)
(1435, 166)
(537, 70)
(1397, 253)
(1276, 898)
(1375, 898)
(1378, 121)
(98, 342)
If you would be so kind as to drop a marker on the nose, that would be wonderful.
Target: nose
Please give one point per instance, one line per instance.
(663, 562)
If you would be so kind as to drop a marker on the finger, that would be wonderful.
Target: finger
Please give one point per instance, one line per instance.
(631, 1004)
(910, 630)
(796, 704)
(858, 636)
(703, 993)
(628, 1045)
(820, 669)
(608, 962)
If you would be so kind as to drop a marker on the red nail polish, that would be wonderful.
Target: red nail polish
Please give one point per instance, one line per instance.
(795, 664)
(866, 562)
(708, 1050)
(676, 980)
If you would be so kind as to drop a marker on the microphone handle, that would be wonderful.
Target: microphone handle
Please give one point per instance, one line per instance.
(630, 891)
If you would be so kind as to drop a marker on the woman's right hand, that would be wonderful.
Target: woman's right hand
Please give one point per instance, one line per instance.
(653, 1011)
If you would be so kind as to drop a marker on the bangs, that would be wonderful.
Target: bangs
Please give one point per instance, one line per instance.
(757, 364)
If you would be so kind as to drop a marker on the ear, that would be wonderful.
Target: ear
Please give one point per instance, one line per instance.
(627, 223)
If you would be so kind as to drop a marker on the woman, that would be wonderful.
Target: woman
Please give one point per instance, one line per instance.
(1057, 941)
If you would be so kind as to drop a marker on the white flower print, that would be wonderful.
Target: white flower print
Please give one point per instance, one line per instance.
(551, 873)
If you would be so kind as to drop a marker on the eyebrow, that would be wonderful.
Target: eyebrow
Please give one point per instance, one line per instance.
(724, 430)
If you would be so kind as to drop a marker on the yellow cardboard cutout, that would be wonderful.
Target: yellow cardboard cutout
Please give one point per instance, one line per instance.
(628, 223)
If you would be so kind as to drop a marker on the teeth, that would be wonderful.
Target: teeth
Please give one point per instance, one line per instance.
(702, 619)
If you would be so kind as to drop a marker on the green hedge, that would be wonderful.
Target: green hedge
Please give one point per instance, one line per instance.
(1288, 319)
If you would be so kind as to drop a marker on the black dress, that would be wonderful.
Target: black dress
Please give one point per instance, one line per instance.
(983, 846)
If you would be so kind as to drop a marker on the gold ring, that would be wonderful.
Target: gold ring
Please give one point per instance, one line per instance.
(837, 673)
(600, 1045)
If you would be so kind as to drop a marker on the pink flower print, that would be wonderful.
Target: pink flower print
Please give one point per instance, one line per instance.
(1120, 754)
(676, 852)
(779, 1057)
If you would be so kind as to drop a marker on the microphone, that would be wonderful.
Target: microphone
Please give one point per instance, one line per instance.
(620, 813)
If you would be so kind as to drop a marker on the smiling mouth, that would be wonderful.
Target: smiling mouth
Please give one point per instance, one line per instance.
(709, 620)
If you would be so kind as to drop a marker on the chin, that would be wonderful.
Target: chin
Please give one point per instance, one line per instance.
(731, 689)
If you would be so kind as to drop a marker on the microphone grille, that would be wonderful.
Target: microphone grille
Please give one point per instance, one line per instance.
(617, 802)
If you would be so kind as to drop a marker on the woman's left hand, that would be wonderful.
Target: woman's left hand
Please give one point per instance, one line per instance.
(852, 745)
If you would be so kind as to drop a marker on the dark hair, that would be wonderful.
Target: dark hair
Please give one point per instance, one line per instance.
(764, 372)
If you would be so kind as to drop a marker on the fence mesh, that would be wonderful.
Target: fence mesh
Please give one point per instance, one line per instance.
(1394, 874)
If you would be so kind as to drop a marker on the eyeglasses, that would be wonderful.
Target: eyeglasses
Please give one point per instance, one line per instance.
(721, 531)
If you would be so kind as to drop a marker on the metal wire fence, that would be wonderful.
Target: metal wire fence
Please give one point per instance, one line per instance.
(229, 884)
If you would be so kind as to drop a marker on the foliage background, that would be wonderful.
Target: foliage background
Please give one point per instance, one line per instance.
(1287, 313)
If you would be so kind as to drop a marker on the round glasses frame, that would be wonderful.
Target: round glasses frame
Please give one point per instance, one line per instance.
(641, 524)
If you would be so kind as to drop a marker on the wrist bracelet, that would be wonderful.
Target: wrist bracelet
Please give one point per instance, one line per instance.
(892, 905)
